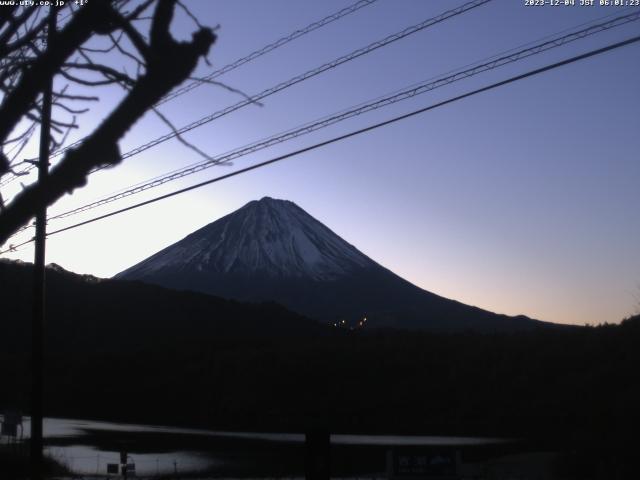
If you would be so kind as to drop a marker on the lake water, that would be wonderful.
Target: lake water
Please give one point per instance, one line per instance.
(87, 446)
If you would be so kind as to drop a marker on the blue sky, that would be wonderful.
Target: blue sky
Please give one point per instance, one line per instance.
(522, 200)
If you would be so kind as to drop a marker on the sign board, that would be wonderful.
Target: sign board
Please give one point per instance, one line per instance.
(112, 468)
(423, 463)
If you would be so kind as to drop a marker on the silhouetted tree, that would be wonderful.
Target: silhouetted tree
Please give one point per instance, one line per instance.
(27, 64)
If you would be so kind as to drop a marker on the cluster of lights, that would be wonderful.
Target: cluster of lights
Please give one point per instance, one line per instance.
(343, 324)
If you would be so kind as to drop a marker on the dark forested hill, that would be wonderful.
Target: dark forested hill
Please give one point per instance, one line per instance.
(86, 312)
(126, 351)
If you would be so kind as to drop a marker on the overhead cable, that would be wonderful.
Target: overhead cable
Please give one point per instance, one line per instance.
(232, 66)
(354, 133)
(297, 79)
(266, 49)
(405, 94)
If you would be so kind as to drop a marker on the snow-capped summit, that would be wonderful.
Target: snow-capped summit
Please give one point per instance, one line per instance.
(272, 250)
(267, 237)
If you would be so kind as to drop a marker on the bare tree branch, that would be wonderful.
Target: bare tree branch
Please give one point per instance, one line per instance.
(77, 31)
(167, 64)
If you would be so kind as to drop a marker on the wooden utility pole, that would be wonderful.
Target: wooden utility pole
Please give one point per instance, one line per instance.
(37, 324)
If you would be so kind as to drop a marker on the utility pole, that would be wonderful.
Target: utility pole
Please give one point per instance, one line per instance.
(37, 324)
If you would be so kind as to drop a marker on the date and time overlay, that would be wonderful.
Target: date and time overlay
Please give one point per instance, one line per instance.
(526, 3)
(581, 3)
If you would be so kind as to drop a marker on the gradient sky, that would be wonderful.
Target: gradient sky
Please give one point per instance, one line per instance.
(522, 200)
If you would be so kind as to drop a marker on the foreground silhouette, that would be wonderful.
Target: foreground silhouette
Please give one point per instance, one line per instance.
(133, 352)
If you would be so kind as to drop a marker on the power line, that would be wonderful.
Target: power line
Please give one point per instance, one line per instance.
(229, 67)
(301, 77)
(279, 87)
(361, 109)
(497, 60)
(466, 66)
(493, 86)
(266, 49)
(310, 74)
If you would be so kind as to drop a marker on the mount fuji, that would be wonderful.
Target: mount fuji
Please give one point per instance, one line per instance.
(272, 250)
